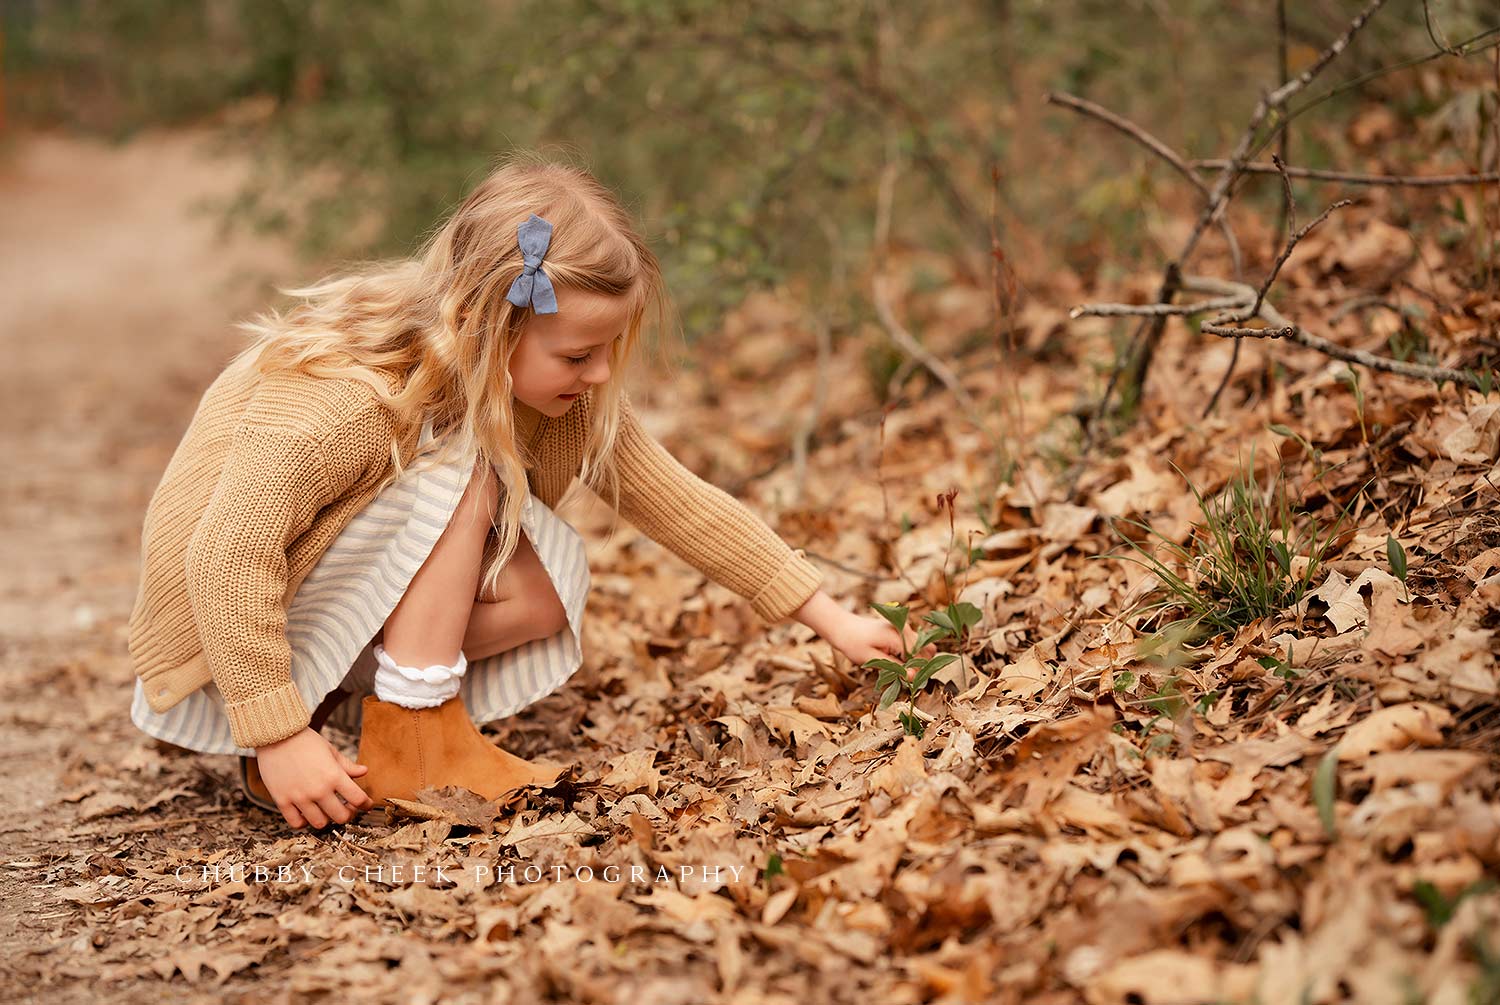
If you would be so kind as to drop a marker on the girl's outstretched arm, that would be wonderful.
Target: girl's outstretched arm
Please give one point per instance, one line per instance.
(706, 527)
(720, 537)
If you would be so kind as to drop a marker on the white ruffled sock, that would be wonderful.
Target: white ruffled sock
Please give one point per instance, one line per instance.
(413, 687)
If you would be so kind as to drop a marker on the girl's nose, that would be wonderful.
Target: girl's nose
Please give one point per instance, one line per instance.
(597, 371)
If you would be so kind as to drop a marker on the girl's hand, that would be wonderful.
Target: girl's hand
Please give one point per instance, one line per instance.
(306, 775)
(862, 638)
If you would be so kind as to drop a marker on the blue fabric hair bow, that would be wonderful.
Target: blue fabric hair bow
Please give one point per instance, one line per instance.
(532, 287)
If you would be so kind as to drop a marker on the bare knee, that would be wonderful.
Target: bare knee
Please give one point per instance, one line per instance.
(551, 616)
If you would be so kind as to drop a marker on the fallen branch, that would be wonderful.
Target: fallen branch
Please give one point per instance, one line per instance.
(1280, 327)
(1317, 174)
(1244, 296)
(1153, 310)
(1286, 252)
(896, 331)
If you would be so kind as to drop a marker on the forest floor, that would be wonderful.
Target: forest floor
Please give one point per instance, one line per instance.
(1303, 810)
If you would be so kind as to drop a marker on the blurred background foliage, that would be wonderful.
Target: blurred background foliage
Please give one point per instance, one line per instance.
(748, 137)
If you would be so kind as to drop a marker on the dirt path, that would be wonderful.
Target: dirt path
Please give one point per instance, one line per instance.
(118, 299)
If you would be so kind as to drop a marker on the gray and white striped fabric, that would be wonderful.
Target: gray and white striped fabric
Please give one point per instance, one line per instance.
(358, 581)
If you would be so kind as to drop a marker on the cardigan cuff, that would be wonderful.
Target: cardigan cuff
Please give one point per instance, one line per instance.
(789, 589)
(266, 718)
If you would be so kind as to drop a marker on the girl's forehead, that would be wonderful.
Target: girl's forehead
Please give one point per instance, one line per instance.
(583, 312)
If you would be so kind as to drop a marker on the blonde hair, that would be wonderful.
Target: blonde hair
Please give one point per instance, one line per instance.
(441, 320)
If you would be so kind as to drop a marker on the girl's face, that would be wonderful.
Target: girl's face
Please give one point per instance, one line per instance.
(564, 354)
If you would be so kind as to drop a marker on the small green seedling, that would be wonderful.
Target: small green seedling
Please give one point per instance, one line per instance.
(1397, 556)
(911, 671)
(773, 867)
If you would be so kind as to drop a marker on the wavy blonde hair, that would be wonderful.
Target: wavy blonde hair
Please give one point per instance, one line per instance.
(441, 321)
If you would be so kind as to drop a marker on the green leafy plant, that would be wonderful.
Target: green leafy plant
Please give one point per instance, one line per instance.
(1286, 669)
(952, 622)
(1439, 907)
(912, 672)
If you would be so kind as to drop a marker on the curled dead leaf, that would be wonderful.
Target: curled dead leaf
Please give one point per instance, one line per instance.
(1395, 728)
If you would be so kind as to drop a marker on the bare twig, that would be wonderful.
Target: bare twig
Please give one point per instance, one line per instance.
(1433, 31)
(823, 331)
(1278, 327)
(1318, 174)
(904, 340)
(1154, 310)
(1004, 287)
(1286, 252)
(1284, 141)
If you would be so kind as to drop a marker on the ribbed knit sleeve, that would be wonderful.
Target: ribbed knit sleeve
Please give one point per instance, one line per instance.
(279, 472)
(708, 528)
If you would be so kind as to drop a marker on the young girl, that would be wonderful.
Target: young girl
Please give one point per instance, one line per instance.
(362, 504)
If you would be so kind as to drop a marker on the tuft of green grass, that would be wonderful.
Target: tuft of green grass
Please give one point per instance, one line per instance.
(1237, 566)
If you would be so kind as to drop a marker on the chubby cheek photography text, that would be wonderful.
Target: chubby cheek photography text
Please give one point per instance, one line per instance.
(437, 875)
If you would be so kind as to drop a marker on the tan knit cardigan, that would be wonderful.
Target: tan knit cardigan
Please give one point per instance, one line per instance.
(272, 468)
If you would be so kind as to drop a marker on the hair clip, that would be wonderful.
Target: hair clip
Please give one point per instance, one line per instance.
(532, 287)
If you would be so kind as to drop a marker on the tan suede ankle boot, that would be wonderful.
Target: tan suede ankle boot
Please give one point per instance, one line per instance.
(408, 749)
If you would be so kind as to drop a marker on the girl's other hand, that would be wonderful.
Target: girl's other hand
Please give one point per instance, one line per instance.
(307, 775)
(862, 638)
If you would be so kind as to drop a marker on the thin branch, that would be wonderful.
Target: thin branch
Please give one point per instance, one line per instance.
(1279, 97)
(822, 329)
(1286, 252)
(904, 340)
(1433, 31)
(1284, 142)
(1150, 331)
(1154, 310)
(1318, 174)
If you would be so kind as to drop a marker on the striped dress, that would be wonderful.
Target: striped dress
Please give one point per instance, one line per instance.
(355, 585)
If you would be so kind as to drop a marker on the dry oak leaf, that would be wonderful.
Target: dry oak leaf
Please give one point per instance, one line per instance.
(1477, 440)
(1048, 756)
(565, 829)
(1346, 607)
(790, 723)
(1395, 728)
(633, 772)
(1466, 662)
(1444, 768)
(1170, 977)
(901, 772)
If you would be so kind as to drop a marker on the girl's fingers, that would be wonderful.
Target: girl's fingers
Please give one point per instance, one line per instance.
(350, 767)
(293, 815)
(334, 809)
(313, 813)
(357, 798)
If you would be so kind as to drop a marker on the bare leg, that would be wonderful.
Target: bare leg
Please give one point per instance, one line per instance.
(429, 624)
(529, 610)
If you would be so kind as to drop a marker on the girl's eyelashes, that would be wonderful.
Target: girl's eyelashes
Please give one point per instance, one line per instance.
(579, 360)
